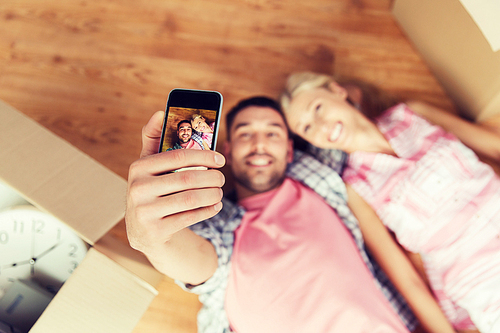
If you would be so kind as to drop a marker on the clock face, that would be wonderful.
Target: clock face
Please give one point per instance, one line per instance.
(37, 247)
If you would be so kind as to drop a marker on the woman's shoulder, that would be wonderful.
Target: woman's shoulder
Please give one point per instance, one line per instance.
(399, 116)
(399, 110)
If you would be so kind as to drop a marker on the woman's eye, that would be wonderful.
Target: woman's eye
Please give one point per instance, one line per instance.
(318, 106)
(307, 128)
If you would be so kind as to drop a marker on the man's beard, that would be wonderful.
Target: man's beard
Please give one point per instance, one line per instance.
(183, 140)
(261, 182)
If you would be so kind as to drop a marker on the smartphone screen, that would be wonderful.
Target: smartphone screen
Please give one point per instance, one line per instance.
(191, 120)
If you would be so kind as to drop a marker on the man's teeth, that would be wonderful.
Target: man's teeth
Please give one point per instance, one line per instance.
(336, 132)
(259, 162)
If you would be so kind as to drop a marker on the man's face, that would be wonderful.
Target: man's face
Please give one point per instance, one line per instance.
(184, 132)
(259, 149)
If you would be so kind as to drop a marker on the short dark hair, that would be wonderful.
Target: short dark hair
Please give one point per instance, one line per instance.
(259, 101)
(182, 122)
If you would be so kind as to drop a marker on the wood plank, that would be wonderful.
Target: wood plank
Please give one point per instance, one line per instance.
(94, 71)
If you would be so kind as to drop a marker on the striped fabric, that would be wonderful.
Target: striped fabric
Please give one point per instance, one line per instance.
(443, 203)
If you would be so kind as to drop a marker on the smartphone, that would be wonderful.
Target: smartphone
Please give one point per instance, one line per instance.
(191, 120)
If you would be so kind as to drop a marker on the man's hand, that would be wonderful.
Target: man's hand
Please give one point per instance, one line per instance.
(160, 205)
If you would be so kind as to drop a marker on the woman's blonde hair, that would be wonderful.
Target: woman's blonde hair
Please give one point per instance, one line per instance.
(196, 115)
(303, 81)
(374, 101)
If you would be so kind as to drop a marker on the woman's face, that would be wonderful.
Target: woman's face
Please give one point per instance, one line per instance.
(200, 125)
(324, 118)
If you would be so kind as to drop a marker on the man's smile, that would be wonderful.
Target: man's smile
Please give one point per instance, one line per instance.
(259, 160)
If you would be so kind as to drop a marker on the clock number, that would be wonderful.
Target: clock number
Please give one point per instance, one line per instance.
(4, 237)
(75, 265)
(19, 226)
(38, 226)
(72, 252)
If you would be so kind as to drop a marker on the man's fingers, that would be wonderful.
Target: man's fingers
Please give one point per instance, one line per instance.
(169, 214)
(174, 223)
(188, 200)
(182, 181)
(162, 163)
(158, 186)
(151, 134)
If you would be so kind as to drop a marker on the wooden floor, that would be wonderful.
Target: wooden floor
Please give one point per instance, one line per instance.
(94, 71)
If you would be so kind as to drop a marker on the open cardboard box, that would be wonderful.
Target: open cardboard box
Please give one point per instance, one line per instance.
(113, 285)
(457, 52)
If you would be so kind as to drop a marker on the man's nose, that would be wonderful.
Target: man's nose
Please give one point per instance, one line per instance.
(259, 143)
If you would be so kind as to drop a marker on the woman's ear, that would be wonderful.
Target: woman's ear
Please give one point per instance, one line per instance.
(337, 89)
(355, 94)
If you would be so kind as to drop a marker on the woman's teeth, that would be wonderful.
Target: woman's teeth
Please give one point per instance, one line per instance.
(336, 132)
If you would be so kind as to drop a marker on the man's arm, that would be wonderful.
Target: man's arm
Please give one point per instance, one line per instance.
(397, 266)
(161, 205)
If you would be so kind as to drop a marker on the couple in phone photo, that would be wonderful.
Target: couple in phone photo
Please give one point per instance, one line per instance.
(194, 134)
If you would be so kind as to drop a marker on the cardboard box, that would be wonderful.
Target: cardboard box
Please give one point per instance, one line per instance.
(456, 51)
(113, 286)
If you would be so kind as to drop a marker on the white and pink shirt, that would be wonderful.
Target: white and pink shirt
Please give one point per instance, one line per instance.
(443, 203)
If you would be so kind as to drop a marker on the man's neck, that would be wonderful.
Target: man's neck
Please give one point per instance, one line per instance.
(184, 144)
(243, 192)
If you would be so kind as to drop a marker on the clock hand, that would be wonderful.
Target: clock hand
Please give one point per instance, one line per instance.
(33, 232)
(33, 260)
(46, 251)
(15, 264)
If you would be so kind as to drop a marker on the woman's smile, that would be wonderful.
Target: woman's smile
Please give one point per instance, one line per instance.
(336, 131)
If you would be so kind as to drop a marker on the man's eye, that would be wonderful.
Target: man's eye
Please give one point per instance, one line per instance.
(318, 106)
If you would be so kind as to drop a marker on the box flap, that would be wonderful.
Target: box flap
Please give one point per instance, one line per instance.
(57, 177)
(99, 297)
(485, 14)
(456, 51)
(133, 260)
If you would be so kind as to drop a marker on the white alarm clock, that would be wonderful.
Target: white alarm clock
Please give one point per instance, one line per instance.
(36, 246)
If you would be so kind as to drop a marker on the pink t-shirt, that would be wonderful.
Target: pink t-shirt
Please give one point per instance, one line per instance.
(296, 268)
(191, 144)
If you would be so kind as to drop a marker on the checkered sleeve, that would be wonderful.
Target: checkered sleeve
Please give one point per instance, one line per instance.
(334, 158)
(219, 230)
(197, 138)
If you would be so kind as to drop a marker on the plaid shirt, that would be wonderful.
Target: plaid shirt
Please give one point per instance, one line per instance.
(321, 174)
(195, 137)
